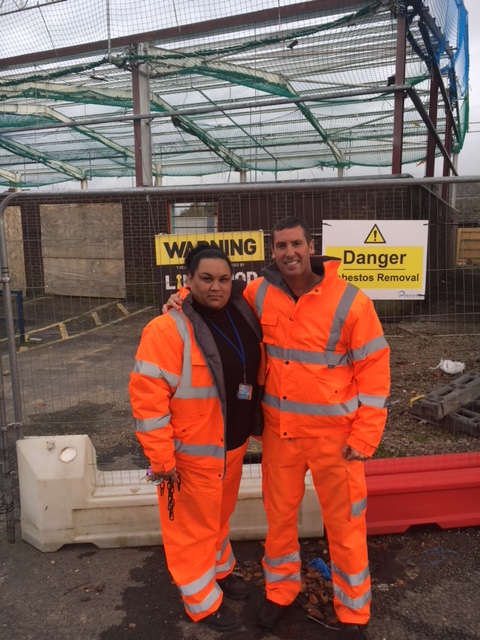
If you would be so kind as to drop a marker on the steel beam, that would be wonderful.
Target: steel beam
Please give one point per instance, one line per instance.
(433, 112)
(398, 111)
(241, 22)
(142, 133)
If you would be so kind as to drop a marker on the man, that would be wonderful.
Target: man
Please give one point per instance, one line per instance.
(326, 389)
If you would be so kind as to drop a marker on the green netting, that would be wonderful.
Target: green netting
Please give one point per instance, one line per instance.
(221, 74)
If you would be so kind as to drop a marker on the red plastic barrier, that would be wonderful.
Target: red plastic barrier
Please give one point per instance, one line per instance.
(440, 489)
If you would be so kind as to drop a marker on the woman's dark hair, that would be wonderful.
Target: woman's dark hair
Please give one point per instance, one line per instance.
(202, 251)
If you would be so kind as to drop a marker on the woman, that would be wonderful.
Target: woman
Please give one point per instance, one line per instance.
(196, 401)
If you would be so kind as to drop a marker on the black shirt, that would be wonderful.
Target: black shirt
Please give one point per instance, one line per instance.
(240, 413)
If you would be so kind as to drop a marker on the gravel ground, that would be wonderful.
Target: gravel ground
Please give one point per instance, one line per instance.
(417, 349)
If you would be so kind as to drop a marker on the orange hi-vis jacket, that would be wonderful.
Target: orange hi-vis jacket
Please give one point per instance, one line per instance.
(327, 361)
(177, 391)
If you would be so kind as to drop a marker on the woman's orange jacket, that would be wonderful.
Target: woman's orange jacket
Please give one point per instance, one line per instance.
(177, 391)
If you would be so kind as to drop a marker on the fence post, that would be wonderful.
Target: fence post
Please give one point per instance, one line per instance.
(7, 494)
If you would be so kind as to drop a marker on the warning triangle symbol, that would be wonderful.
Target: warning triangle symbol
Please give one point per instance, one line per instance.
(375, 236)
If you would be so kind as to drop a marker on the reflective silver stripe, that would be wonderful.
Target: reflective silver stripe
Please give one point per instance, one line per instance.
(308, 357)
(305, 409)
(197, 585)
(341, 313)
(352, 603)
(278, 577)
(152, 423)
(153, 371)
(195, 392)
(328, 356)
(379, 402)
(260, 297)
(354, 580)
(199, 450)
(358, 508)
(227, 565)
(377, 344)
(206, 603)
(186, 377)
(220, 553)
(185, 390)
(281, 561)
(277, 562)
(274, 352)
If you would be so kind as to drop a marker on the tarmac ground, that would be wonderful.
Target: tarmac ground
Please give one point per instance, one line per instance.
(425, 587)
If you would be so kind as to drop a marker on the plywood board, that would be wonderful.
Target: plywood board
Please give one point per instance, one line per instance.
(15, 255)
(82, 249)
(468, 246)
(84, 277)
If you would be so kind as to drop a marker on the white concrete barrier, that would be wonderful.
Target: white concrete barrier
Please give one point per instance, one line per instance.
(66, 499)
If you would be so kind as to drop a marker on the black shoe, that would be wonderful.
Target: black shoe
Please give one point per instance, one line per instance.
(352, 631)
(233, 587)
(269, 613)
(224, 619)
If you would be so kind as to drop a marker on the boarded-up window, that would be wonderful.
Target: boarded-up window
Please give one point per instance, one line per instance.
(468, 246)
(82, 249)
(15, 255)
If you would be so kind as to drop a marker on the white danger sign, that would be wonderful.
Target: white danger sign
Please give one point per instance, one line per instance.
(387, 259)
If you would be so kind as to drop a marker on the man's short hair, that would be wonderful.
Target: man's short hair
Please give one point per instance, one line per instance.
(290, 222)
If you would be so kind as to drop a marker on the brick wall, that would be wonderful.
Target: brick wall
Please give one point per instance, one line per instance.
(145, 215)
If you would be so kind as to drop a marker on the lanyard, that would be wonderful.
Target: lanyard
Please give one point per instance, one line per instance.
(239, 351)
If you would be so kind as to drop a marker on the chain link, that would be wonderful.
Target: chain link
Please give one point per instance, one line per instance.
(159, 481)
(170, 493)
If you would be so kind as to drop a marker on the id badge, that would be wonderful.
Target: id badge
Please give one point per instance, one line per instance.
(244, 391)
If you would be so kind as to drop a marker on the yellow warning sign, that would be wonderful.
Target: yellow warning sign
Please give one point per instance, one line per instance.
(240, 246)
(375, 236)
(379, 268)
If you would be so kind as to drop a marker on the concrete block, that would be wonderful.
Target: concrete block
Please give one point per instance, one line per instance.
(464, 420)
(445, 399)
(66, 499)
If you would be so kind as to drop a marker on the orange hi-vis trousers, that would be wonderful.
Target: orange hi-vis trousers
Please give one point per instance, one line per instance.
(196, 541)
(341, 489)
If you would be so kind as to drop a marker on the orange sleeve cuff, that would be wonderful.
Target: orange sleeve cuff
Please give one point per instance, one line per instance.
(362, 447)
(168, 466)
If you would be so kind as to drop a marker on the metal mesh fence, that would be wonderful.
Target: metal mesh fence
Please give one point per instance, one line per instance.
(77, 351)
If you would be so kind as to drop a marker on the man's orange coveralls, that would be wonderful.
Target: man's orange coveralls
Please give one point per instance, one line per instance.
(327, 383)
(177, 393)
